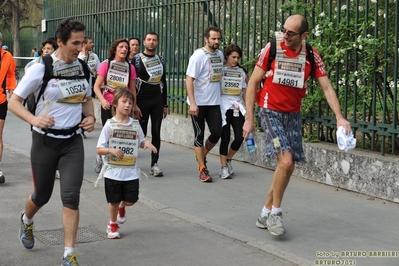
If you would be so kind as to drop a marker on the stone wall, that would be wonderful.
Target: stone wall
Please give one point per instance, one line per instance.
(361, 171)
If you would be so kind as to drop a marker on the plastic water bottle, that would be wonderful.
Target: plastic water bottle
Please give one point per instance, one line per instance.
(251, 143)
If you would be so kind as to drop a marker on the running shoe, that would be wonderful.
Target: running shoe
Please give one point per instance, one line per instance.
(204, 175)
(26, 233)
(97, 166)
(112, 231)
(200, 165)
(230, 167)
(121, 218)
(262, 220)
(57, 174)
(70, 260)
(275, 224)
(155, 171)
(224, 173)
(2, 178)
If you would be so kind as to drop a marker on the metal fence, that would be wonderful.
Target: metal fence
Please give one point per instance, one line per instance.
(358, 40)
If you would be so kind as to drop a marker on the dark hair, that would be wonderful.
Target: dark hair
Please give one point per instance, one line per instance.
(208, 30)
(232, 48)
(66, 27)
(86, 39)
(134, 38)
(151, 33)
(50, 41)
(121, 93)
(304, 23)
(112, 49)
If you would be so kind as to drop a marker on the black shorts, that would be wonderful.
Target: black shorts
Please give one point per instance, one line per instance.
(117, 191)
(3, 110)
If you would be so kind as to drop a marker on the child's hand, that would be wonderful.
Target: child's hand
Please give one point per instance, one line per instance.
(116, 152)
(148, 145)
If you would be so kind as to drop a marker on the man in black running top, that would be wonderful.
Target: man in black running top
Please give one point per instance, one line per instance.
(151, 93)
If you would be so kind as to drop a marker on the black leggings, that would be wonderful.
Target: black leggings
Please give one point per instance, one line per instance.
(236, 123)
(46, 154)
(105, 115)
(212, 115)
(152, 108)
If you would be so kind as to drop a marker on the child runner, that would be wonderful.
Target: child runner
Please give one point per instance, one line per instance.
(118, 145)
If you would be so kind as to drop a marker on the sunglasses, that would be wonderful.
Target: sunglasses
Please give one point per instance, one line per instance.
(290, 33)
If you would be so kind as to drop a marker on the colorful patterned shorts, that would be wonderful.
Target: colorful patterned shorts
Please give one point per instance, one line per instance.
(283, 131)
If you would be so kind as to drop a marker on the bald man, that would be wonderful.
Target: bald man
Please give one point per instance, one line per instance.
(280, 102)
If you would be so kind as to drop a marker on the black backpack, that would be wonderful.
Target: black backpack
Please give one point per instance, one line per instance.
(31, 101)
(309, 56)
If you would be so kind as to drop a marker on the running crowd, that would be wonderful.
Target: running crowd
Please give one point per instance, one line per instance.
(131, 87)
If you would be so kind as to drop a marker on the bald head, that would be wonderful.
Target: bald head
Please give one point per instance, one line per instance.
(300, 21)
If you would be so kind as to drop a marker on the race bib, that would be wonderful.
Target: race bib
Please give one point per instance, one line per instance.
(91, 62)
(216, 65)
(154, 68)
(118, 75)
(232, 81)
(127, 139)
(289, 71)
(73, 91)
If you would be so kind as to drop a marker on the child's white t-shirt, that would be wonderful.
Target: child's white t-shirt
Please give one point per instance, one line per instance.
(116, 172)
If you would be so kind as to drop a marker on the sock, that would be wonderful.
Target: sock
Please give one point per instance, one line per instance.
(265, 211)
(111, 222)
(68, 251)
(276, 210)
(26, 220)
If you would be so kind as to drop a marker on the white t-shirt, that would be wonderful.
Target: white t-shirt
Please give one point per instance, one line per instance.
(66, 114)
(115, 172)
(92, 61)
(199, 67)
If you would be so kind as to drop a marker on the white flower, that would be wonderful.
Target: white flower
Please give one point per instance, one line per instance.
(227, 15)
(343, 7)
(342, 61)
(252, 7)
(355, 73)
(391, 84)
(322, 14)
(258, 38)
(354, 45)
(374, 1)
(368, 35)
(238, 33)
(339, 82)
(380, 12)
(342, 51)
(317, 33)
(358, 82)
(360, 8)
(360, 47)
(384, 15)
(278, 24)
(359, 38)
(373, 24)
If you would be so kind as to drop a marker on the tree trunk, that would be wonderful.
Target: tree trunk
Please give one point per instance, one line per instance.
(15, 28)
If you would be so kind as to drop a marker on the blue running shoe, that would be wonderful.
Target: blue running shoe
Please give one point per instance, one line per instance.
(26, 233)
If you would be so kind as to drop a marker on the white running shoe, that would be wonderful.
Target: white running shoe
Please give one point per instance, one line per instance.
(155, 171)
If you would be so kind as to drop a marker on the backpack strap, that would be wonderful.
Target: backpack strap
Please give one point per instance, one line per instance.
(310, 57)
(48, 74)
(86, 70)
(272, 54)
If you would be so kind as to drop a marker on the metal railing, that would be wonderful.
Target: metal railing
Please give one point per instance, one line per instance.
(358, 40)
